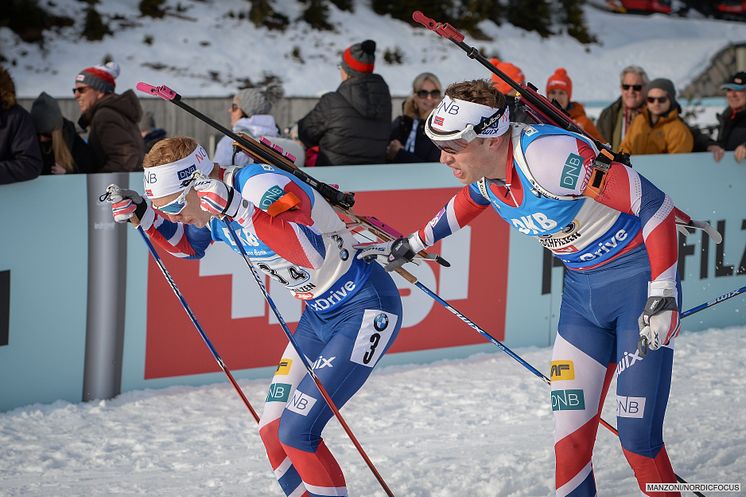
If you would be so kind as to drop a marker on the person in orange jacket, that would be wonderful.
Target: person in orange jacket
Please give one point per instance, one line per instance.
(559, 88)
(658, 129)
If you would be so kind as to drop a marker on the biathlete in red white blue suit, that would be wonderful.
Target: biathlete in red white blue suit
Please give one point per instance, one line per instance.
(616, 234)
(353, 311)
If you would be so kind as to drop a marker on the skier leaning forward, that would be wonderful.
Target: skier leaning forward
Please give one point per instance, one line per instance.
(616, 234)
(353, 311)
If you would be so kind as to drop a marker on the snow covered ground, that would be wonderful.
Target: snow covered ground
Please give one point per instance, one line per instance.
(480, 427)
(205, 53)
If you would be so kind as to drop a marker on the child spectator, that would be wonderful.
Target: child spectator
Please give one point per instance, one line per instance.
(150, 133)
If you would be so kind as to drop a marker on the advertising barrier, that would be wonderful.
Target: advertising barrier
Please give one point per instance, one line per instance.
(504, 282)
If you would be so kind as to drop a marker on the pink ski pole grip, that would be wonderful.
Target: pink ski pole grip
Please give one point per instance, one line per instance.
(162, 91)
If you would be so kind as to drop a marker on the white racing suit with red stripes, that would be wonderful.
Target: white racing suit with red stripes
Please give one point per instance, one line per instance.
(615, 233)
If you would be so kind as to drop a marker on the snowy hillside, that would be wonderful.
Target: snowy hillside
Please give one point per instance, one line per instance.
(205, 53)
(432, 431)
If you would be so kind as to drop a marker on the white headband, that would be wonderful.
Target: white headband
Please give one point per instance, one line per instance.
(174, 177)
(453, 115)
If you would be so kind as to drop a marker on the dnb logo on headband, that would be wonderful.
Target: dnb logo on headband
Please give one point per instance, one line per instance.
(186, 173)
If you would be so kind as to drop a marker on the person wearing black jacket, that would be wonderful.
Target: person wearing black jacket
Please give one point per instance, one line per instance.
(732, 129)
(408, 140)
(63, 151)
(352, 124)
(20, 159)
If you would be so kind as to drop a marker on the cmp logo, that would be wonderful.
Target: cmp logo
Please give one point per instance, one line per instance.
(4, 307)
(381, 322)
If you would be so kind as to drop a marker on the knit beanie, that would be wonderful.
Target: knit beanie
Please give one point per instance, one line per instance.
(667, 86)
(100, 78)
(253, 101)
(46, 114)
(559, 80)
(359, 58)
(512, 71)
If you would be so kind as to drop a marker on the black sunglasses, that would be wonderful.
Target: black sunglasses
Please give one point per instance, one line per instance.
(425, 93)
(80, 89)
(660, 100)
(632, 87)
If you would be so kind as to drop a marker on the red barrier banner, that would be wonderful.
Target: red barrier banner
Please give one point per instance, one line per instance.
(224, 297)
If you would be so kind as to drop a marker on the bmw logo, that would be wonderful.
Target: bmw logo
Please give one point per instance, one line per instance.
(344, 254)
(381, 322)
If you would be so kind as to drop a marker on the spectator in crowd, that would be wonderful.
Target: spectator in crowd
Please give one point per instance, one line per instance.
(63, 151)
(150, 133)
(559, 89)
(732, 128)
(250, 114)
(615, 120)
(517, 111)
(408, 140)
(658, 128)
(20, 159)
(114, 135)
(352, 124)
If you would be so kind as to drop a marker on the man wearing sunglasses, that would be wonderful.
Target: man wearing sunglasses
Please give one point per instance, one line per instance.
(658, 128)
(353, 312)
(615, 119)
(111, 120)
(616, 234)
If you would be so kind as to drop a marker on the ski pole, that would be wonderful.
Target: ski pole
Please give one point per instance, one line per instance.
(714, 301)
(536, 101)
(196, 324)
(334, 196)
(512, 354)
(258, 278)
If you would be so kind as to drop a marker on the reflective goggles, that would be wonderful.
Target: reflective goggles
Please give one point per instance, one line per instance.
(178, 204)
(455, 141)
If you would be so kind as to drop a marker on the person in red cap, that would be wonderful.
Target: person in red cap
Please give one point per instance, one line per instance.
(351, 125)
(114, 134)
(512, 71)
(559, 88)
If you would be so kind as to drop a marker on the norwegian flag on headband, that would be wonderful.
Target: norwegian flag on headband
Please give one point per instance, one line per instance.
(438, 120)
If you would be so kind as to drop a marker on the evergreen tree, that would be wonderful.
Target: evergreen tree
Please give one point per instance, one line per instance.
(94, 28)
(316, 15)
(442, 10)
(152, 8)
(531, 15)
(346, 5)
(262, 14)
(28, 20)
(573, 18)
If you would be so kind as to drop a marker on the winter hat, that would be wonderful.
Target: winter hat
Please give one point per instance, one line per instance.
(46, 114)
(254, 101)
(665, 85)
(560, 81)
(737, 82)
(100, 78)
(359, 58)
(512, 71)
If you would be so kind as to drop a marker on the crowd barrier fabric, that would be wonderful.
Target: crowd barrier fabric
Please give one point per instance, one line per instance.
(503, 281)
